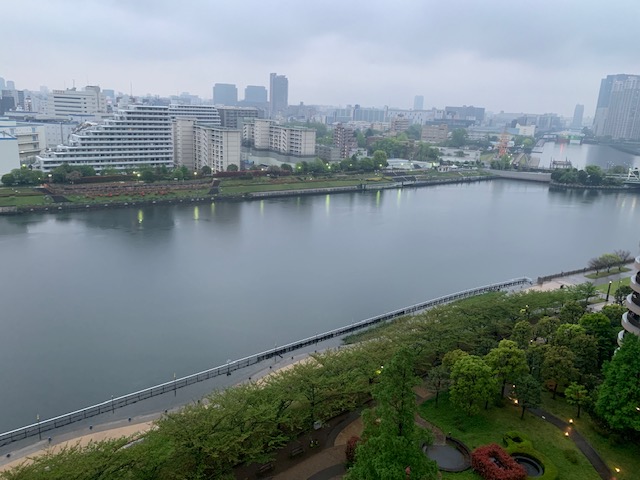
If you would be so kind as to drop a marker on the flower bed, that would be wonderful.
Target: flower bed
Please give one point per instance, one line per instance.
(492, 462)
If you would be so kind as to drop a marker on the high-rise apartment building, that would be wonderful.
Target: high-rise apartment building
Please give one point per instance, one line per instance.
(138, 136)
(225, 94)
(30, 137)
(618, 108)
(344, 139)
(631, 319)
(202, 113)
(418, 102)
(578, 113)
(217, 147)
(234, 117)
(278, 95)
(268, 135)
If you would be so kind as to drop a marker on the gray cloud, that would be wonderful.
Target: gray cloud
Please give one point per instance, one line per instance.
(505, 55)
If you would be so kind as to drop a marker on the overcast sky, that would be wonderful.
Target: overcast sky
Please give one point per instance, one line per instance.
(516, 56)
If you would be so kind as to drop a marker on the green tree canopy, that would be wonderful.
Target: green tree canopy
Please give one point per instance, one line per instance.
(576, 394)
(619, 395)
(507, 362)
(472, 382)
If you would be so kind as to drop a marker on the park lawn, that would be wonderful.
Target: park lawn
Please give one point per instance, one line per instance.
(623, 456)
(489, 427)
(138, 198)
(24, 201)
(614, 285)
(466, 475)
(594, 276)
(265, 187)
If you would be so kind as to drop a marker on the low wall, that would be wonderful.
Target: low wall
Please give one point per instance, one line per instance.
(541, 177)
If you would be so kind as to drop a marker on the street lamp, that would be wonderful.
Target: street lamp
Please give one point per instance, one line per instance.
(608, 290)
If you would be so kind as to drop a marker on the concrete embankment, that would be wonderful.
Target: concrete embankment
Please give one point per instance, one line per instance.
(68, 206)
(542, 177)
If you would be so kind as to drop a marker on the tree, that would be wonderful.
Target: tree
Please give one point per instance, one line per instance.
(507, 362)
(232, 168)
(583, 291)
(522, 334)
(619, 395)
(205, 170)
(380, 159)
(458, 137)
(285, 167)
(147, 175)
(576, 394)
(390, 440)
(558, 367)
(414, 132)
(596, 264)
(599, 325)
(527, 392)
(472, 382)
(595, 175)
(621, 293)
(623, 255)
(546, 327)
(8, 179)
(438, 380)
(583, 346)
(571, 312)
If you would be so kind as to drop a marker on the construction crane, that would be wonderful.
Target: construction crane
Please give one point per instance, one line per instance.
(504, 143)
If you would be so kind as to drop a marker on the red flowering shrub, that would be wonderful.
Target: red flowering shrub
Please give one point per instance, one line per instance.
(492, 462)
(350, 449)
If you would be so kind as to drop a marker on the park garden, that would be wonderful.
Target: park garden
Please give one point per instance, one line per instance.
(493, 367)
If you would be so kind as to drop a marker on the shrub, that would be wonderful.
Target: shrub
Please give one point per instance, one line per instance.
(350, 449)
(492, 462)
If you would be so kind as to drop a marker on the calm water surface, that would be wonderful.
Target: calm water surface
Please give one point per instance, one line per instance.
(104, 303)
(583, 155)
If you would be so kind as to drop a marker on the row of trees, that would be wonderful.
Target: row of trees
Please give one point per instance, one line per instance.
(609, 260)
(476, 348)
(22, 177)
(592, 175)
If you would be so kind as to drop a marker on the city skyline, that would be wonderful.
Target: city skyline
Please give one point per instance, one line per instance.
(505, 56)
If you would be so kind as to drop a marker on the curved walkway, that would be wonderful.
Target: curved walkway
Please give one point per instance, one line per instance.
(600, 466)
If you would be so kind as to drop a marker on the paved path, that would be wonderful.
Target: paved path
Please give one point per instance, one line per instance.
(582, 444)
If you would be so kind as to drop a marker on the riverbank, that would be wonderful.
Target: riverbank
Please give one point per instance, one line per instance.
(262, 191)
(573, 186)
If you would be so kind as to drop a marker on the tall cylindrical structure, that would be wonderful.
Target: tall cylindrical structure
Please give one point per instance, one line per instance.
(631, 319)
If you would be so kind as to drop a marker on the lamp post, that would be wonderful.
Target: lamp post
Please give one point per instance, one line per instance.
(174, 385)
(39, 430)
(608, 290)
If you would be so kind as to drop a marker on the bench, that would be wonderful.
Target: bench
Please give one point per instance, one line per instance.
(297, 450)
(265, 468)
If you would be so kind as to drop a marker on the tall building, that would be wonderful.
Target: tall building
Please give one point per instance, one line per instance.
(234, 117)
(418, 102)
(578, 113)
(217, 147)
(631, 319)
(255, 94)
(138, 136)
(278, 94)
(225, 94)
(203, 113)
(2, 84)
(9, 152)
(435, 133)
(469, 113)
(11, 85)
(74, 103)
(617, 112)
(268, 135)
(344, 139)
(30, 137)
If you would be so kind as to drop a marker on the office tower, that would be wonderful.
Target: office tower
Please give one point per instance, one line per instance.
(2, 84)
(138, 136)
(418, 102)
(618, 109)
(278, 94)
(234, 117)
(255, 94)
(11, 85)
(225, 94)
(71, 102)
(576, 123)
(202, 113)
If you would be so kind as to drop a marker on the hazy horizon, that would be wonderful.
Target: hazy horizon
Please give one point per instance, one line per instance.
(504, 56)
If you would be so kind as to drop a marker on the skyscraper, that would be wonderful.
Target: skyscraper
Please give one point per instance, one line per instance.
(278, 94)
(618, 108)
(576, 124)
(418, 102)
(225, 94)
(255, 94)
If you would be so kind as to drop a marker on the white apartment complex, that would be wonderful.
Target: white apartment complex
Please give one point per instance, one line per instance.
(31, 138)
(138, 136)
(76, 103)
(9, 158)
(218, 147)
(268, 135)
(203, 113)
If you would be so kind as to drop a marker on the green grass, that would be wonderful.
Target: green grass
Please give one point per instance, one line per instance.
(594, 276)
(623, 455)
(614, 285)
(24, 201)
(490, 426)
